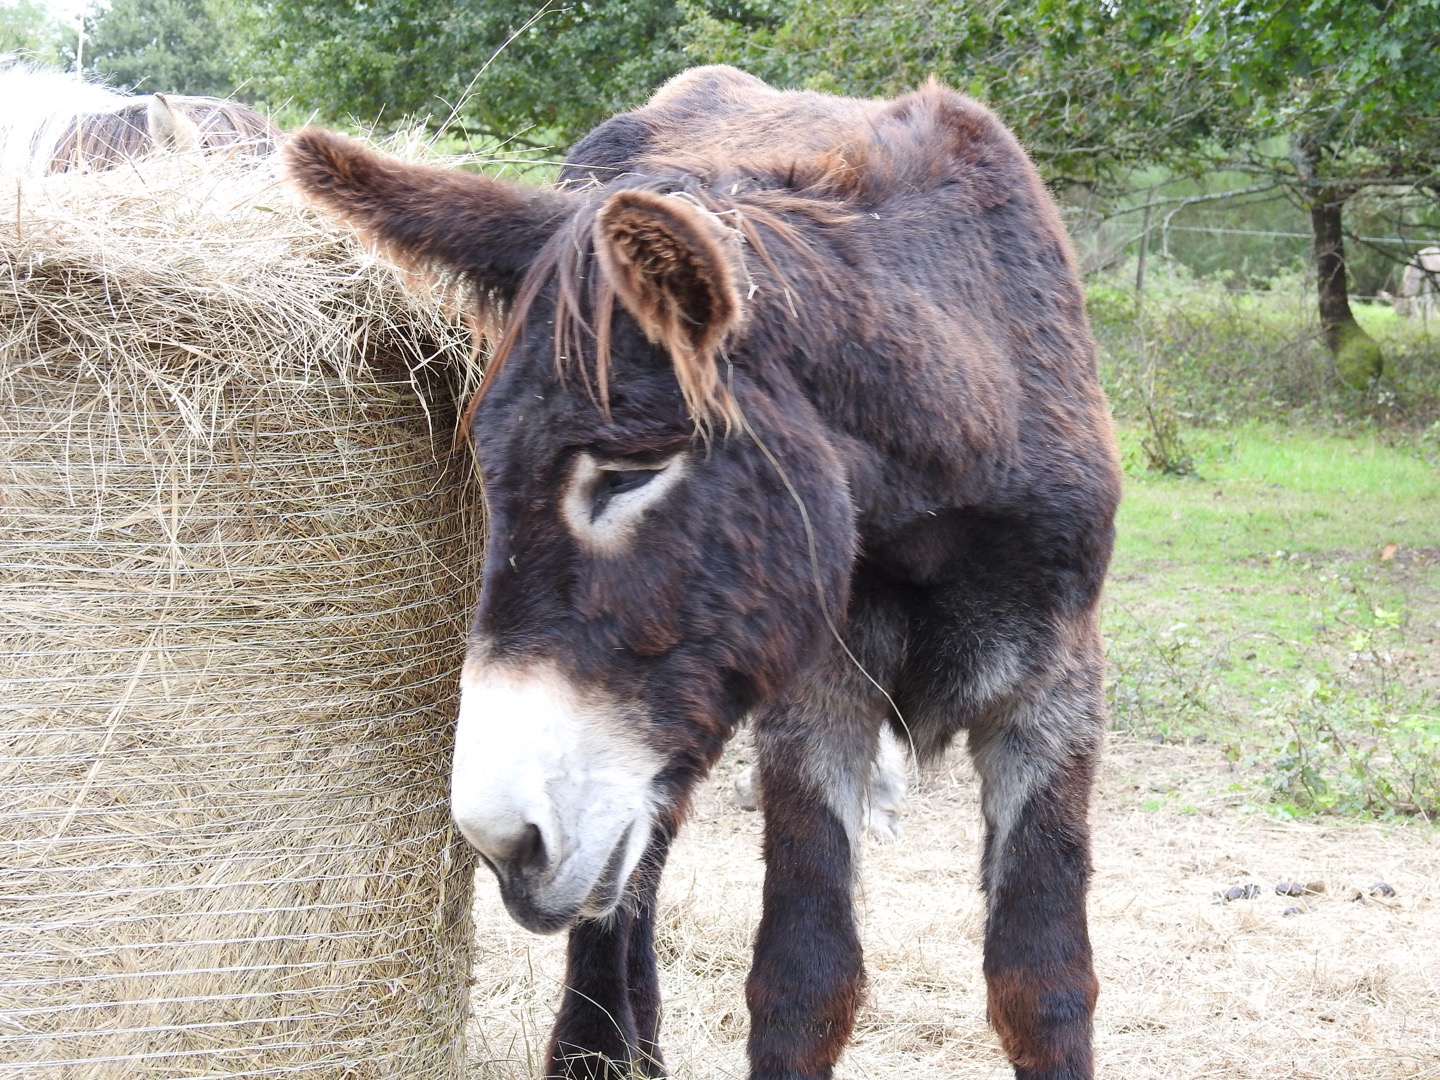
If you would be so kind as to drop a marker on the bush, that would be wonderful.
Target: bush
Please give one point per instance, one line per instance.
(1220, 354)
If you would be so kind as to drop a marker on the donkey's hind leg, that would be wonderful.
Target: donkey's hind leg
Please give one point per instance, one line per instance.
(608, 1026)
(1037, 760)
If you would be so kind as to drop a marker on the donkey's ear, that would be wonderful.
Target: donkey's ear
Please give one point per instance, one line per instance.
(675, 268)
(425, 216)
(169, 127)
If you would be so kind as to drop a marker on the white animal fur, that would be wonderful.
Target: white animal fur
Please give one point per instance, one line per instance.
(531, 749)
(610, 532)
(884, 803)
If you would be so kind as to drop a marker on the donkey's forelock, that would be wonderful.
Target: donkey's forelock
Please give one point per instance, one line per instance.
(674, 260)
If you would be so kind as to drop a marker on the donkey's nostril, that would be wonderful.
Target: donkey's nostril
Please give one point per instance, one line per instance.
(530, 855)
(509, 845)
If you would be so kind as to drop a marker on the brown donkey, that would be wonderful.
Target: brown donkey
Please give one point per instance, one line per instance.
(52, 122)
(795, 417)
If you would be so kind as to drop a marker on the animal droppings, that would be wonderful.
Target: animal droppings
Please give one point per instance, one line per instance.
(1239, 892)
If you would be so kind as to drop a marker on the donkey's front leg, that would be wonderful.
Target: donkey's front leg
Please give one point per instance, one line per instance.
(807, 973)
(608, 1026)
(1036, 762)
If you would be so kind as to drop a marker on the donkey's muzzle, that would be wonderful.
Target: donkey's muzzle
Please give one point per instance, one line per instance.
(528, 890)
(554, 789)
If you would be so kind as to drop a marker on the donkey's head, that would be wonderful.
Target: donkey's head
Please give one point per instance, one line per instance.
(669, 528)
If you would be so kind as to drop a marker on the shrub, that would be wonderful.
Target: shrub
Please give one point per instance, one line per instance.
(1223, 354)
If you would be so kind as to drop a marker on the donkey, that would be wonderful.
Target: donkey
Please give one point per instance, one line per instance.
(794, 416)
(51, 122)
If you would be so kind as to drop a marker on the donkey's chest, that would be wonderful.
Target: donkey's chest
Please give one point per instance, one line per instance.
(942, 546)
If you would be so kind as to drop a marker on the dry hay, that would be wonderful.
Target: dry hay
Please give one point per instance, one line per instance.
(1191, 987)
(236, 551)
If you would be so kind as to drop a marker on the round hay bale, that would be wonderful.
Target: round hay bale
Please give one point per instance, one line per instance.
(237, 549)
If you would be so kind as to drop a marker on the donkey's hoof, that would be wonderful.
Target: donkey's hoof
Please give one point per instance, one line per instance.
(883, 823)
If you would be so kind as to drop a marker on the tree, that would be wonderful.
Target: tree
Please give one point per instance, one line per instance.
(180, 46)
(1093, 89)
(1351, 83)
(501, 67)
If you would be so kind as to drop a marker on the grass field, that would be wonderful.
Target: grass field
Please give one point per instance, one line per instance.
(1284, 604)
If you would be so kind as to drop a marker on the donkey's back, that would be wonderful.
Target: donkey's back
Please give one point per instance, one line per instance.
(718, 114)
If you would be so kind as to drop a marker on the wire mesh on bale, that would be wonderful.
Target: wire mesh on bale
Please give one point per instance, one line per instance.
(236, 551)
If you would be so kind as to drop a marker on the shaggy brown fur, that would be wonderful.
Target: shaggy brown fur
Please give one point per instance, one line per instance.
(908, 522)
(137, 129)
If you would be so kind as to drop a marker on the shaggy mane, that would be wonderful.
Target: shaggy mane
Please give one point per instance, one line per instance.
(755, 208)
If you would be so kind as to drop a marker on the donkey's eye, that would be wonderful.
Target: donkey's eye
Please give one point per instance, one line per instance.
(610, 496)
(612, 482)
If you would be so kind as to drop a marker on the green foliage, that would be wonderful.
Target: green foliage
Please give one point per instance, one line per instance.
(31, 30)
(1163, 444)
(848, 46)
(1359, 742)
(1355, 77)
(1351, 754)
(179, 46)
(501, 68)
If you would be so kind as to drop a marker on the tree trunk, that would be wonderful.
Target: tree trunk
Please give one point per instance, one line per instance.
(1357, 355)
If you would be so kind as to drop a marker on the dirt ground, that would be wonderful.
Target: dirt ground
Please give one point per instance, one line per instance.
(1193, 986)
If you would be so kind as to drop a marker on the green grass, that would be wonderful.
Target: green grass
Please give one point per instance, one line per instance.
(1252, 605)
